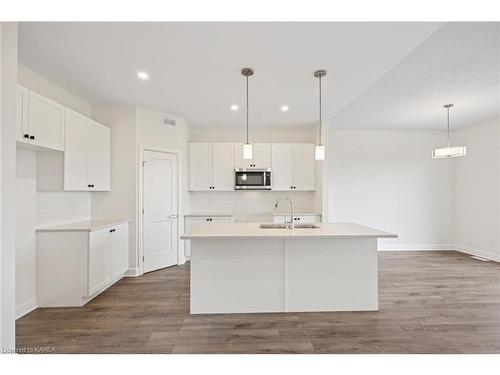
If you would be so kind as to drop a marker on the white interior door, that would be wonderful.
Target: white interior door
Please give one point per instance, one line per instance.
(160, 210)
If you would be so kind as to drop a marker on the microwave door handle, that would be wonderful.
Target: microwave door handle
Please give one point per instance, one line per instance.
(265, 179)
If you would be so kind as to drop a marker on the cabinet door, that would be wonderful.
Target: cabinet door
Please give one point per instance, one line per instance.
(282, 166)
(75, 153)
(22, 114)
(119, 250)
(239, 162)
(222, 219)
(99, 151)
(45, 121)
(99, 270)
(200, 166)
(223, 166)
(261, 155)
(304, 167)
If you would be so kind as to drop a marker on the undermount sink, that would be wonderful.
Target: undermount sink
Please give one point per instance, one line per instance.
(283, 226)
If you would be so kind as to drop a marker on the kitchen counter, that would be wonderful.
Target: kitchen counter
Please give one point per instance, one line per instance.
(241, 268)
(252, 230)
(83, 226)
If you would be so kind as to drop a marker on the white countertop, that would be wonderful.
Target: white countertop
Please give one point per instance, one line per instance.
(252, 230)
(196, 214)
(83, 226)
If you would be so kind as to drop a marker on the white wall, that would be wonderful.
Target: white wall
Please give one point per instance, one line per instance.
(152, 133)
(36, 82)
(255, 205)
(133, 127)
(8, 73)
(25, 231)
(476, 213)
(35, 208)
(120, 202)
(387, 179)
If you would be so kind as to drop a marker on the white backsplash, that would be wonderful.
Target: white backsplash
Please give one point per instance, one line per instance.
(250, 206)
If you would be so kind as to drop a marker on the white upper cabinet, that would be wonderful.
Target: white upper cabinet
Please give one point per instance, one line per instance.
(304, 167)
(223, 166)
(200, 166)
(22, 129)
(45, 122)
(87, 154)
(98, 156)
(282, 166)
(261, 156)
(211, 166)
(75, 155)
(293, 166)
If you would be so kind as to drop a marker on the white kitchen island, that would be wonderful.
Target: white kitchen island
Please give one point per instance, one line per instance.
(242, 268)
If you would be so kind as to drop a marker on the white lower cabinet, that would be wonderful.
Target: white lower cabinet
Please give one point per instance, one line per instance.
(74, 266)
(193, 220)
(301, 218)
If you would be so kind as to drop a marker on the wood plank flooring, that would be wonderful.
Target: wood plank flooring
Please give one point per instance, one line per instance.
(430, 302)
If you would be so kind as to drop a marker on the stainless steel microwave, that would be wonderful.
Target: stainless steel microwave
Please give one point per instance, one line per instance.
(252, 179)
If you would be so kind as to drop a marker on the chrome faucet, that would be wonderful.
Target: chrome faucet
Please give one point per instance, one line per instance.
(291, 223)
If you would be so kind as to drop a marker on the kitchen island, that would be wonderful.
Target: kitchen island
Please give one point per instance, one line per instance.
(243, 268)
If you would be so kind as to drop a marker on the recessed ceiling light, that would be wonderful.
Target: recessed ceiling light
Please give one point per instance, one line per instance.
(234, 107)
(142, 75)
(284, 108)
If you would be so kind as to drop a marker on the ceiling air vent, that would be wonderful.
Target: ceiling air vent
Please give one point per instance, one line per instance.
(168, 121)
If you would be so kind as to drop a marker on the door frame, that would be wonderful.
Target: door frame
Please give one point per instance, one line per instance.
(140, 204)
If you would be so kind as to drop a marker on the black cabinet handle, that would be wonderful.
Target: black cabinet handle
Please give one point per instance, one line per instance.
(26, 135)
(32, 137)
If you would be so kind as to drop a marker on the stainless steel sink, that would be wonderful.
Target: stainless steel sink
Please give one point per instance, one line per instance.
(283, 226)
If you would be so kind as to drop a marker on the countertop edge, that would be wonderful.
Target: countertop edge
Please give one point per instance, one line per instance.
(66, 227)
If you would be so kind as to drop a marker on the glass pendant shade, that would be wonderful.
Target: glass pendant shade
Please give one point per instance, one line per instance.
(449, 152)
(247, 151)
(319, 152)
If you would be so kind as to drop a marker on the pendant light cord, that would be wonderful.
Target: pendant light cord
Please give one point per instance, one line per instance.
(448, 121)
(247, 109)
(320, 109)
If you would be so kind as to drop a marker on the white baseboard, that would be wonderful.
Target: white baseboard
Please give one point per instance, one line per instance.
(132, 272)
(476, 252)
(416, 247)
(26, 307)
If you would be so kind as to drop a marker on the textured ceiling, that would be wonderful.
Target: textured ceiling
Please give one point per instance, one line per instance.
(459, 64)
(195, 67)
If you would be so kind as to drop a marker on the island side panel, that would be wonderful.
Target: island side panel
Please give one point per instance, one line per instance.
(332, 274)
(237, 276)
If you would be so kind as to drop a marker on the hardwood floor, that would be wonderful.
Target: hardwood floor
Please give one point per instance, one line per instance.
(430, 302)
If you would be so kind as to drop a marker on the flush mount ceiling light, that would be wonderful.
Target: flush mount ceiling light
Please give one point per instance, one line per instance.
(142, 75)
(247, 147)
(234, 107)
(284, 108)
(449, 151)
(319, 150)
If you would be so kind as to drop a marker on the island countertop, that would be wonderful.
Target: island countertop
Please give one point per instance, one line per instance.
(252, 230)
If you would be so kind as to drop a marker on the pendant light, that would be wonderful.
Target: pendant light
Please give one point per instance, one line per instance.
(449, 151)
(319, 150)
(247, 147)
